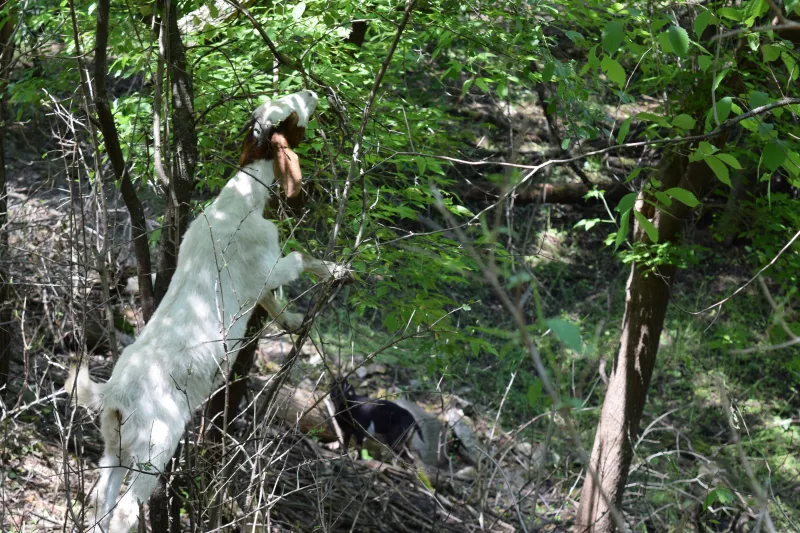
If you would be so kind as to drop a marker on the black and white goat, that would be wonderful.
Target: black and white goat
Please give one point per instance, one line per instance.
(230, 260)
(385, 421)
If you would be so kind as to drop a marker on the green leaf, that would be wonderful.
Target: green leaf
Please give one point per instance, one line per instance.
(663, 198)
(391, 322)
(648, 227)
(719, 494)
(502, 89)
(773, 156)
(792, 163)
(724, 108)
(298, 10)
(704, 149)
(731, 161)
(790, 63)
(627, 202)
(482, 84)
(683, 196)
(684, 122)
(593, 62)
(729, 13)
(664, 43)
(459, 210)
(547, 73)
(701, 22)
(567, 332)
(466, 86)
(711, 499)
(622, 232)
(634, 174)
(679, 40)
(534, 392)
(770, 52)
(754, 9)
(652, 117)
(719, 169)
(720, 76)
(704, 62)
(725, 496)
(613, 35)
(574, 36)
(757, 99)
(614, 71)
(623, 130)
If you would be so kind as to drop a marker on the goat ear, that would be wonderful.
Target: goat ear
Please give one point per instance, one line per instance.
(286, 165)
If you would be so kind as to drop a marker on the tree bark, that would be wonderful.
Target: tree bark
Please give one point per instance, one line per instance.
(647, 296)
(184, 150)
(176, 217)
(111, 140)
(6, 53)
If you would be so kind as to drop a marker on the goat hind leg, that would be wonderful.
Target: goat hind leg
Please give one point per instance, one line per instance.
(126, 514)
(105, 494)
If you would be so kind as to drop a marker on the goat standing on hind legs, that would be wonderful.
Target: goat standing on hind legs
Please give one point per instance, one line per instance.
(229, 261)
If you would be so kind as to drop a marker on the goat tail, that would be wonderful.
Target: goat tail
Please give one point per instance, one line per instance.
(419, 431)
(88, 393)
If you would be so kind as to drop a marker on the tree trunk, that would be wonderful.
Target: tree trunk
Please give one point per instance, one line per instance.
(111, 140)
(6, 53)
(647, 296)
(176, 217)
(184, 150)
(224, 406)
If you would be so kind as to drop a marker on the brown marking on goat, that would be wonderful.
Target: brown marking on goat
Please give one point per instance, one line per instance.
(286, 165)
(279, 148)
(288, 128)
(254, 149)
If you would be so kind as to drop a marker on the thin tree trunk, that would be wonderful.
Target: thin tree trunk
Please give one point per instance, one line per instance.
(176, 216)
(647, 296)
(184, 150)
(6, 53)
(111, 140)
(224, 404)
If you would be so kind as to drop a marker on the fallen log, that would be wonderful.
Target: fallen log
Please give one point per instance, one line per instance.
(542, 193)
(298, 407)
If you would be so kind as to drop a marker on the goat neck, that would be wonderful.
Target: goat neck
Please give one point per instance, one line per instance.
(248, 190)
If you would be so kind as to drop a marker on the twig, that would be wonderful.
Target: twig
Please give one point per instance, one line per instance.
(751, 280)
(355, 162)
(757, 488)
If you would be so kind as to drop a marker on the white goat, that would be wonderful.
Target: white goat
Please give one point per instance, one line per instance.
(229, 261)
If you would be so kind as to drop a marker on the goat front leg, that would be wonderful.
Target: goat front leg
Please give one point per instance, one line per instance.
(324, 269)
(285, 319)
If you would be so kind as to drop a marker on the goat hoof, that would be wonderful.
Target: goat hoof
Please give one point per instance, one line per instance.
(292, 321)
(342, 274)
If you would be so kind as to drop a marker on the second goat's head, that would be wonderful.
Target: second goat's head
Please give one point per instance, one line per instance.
(274, 130)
